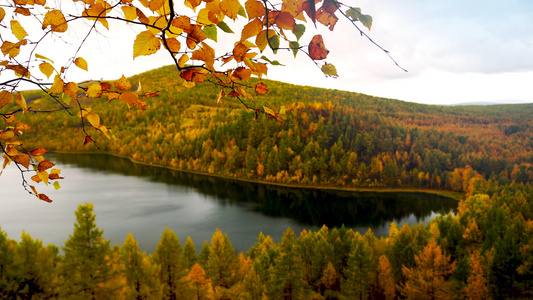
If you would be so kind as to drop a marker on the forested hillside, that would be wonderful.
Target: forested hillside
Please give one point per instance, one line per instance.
(327, 137)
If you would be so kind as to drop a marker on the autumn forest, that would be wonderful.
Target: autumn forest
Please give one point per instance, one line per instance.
(480, 155)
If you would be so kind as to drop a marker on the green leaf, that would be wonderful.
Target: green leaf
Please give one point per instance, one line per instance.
(211, 32)
(329, 70)
(274, 63)
(295, 47)
(224, 27)
(242, 12)
(273, 42)
(56, 185)
(366, 20)
(298, 31)
(354, 13)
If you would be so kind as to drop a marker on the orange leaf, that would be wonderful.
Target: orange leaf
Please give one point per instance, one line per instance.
(56, 20)
(87, 140)
(233, 94)
(183, 22)
(6, 98)
(45, 198)
(261, 88)
(112, 96)
(230, 8)
(251, 29)
(150, 94)
(188, 74)
(254, 9)
(326, 18)
(131, 99)
(22, 10)
(195, 36)
(310, 8)
(38, 151)
(22, 126)
(317, 49)
(173, 46)
(23, 159)
(242, 73)
(123, 84)
(239, 52)
(45, 165)
(6, 135)
(71, 90)
(285, 20)
(105, 86)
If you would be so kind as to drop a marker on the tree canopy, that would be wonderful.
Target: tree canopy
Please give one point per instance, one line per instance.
(189, 33)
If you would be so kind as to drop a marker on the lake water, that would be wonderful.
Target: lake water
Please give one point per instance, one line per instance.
(143, 200)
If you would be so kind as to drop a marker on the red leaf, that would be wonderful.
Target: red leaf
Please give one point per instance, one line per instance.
(87, 140)
(45, 198)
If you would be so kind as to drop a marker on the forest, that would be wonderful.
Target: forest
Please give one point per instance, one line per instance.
(321, 138)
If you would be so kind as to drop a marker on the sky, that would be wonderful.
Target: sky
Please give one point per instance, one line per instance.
(455, 51)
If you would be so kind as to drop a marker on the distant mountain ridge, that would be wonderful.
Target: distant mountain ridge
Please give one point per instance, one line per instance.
(495, 102)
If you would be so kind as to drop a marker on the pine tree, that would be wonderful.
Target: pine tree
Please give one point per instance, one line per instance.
(85, 267)
(385, 279)
(139, 271)
(171, 267)
(254, 289)
(429, 278)
(204, 254)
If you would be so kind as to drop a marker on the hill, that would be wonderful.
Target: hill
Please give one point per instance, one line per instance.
(327, 137)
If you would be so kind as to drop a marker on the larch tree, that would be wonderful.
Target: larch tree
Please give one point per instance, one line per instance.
(189, 33)
(86, 264)
(171, 267)
(430, 277)
(141, 274)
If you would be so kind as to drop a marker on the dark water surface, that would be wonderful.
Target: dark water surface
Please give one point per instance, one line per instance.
(144, 200)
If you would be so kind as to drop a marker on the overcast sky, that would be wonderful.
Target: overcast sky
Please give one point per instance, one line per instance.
(455, 51)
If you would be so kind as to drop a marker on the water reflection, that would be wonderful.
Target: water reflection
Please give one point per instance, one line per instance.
(308, 207)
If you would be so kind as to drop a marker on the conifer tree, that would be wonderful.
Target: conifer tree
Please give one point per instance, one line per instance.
(429, 278)
(139, 271)
(189, 253)
(287, 276)
(86, 267)
(7, 255)
(36, 267)
(476, 288)
(385, 279)
(200, 285)
(204, 254)
(222, 263)
(172, 271)
(254, 289)
(357, 272)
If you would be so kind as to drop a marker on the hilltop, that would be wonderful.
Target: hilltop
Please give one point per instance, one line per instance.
(327, 137)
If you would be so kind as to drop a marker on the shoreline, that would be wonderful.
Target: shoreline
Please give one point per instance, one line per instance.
(443, 193)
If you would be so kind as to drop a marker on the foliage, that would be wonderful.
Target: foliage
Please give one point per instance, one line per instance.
(187, 33)
(336, 263)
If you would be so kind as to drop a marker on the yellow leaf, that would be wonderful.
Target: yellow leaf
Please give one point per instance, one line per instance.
(230, 8)
(145, 44)
(192, 4)
(6, 135)
(97, 11)
(251, 29)
(123, 84)
(130, 12)
(18, 30)
(155, 4)
(47, 69)
(188, 84)
(21, 102)
(94, 90)
(6, 98)
(71, 90)
(57, 87)
(158, 24)
(2, 14)
(94, 119)
(43, 57)
(81, 63)
(261, 40)
(43, 176)
(56, 20)
(203, 17)
(183, 59)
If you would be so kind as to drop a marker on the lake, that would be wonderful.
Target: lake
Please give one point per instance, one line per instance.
(143, 200)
